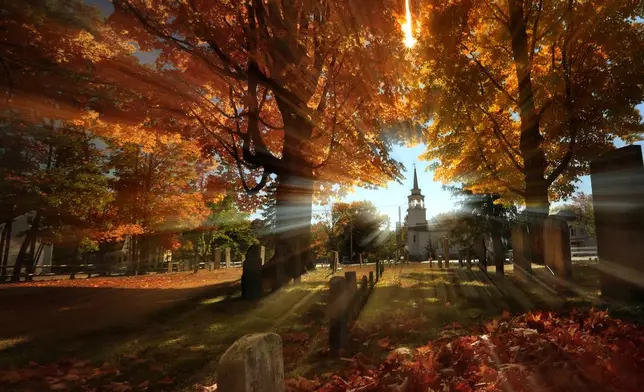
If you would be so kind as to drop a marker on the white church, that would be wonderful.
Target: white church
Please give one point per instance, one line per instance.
(423, 236)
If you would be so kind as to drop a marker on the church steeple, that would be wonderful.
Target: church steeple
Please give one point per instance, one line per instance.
(415, 190)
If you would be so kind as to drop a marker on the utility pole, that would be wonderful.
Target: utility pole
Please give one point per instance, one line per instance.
(399, 235)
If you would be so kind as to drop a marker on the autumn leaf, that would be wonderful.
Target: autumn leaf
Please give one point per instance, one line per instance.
(384, 343)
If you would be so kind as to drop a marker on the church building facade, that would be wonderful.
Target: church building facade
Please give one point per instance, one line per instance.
(417, 228)
(424, 237)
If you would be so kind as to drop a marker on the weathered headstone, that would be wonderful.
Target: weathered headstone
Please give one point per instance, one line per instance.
(499, 254)
(352, 282)
(337, 311)
(521, 250)
(556, 239)
(254, 363)
(227, 257)
(263, 253)
(335, 260)
(251, 281)
(479, 247)
(217, 253)
(617, 180)
(378, 262)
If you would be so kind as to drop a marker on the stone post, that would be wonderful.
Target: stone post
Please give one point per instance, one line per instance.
(617, 180)
(521, 250)
(253, 363)
(337, 311)
(335, 260)
(217, 254)
(262, 251)
(251, 281)
(499, 254)
(169, 266)
(556, 238)
(371, 282)
(378, 262)
(227, 257)
(446, 251)
(352, 282)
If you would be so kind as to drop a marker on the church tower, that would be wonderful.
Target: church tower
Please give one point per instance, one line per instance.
(417, 229)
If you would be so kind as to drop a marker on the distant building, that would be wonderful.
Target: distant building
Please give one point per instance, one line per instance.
(424, 236)
(581, 242)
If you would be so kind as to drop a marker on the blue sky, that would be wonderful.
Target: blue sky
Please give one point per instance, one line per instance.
(437, 200)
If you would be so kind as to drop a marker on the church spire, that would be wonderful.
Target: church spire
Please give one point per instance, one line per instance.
(415, 178)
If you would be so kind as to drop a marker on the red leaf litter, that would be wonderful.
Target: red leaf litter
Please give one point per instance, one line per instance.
(579, 351)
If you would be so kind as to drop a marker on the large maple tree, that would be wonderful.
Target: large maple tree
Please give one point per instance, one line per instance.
(294, 92)
(523, 94)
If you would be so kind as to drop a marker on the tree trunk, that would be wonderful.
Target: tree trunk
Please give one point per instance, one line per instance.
(72, 273)
(4, 249)
(536, 183)
(34, 255)
(294, 200)
(22, 253)
(499, 254)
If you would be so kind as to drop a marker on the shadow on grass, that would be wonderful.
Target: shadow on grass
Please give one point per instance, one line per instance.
(184, 341)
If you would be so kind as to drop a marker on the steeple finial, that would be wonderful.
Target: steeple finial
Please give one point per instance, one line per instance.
(415, 178)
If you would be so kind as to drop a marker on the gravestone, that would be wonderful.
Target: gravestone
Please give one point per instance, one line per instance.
(217, 254)
(251, 281)
(254, 363)
(352, 282)
(521, 250)
(337, 311)
(445, 252)
(617, 180)
(479, 246)
(499, 254)
(335, 260)
(227, 257)
(556, 239)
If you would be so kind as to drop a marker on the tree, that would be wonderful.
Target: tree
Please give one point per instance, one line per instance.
(358, 220)
(581, 206)
(55, 171)
(526, 93)
(481, 216)
(158, 190)
(293, 91)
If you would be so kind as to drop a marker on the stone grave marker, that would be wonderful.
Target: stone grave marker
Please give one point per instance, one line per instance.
(251, 281)
(337, 311)
(521, 250)
(556, 238)
(227, 257)
(217, 255)
(617, 180)
(254, 363)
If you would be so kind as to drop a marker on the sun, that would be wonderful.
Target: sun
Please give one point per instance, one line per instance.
(408, 39)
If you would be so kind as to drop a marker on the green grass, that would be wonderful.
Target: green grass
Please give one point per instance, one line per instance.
(409, 306)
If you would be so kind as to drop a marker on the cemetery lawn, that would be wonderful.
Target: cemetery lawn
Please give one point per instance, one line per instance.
(178, 347)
